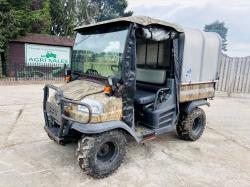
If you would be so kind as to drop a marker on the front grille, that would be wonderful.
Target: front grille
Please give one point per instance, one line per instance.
(54, 111)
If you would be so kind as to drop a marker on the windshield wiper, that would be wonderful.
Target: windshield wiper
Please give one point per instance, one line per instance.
(82, 40)
(78, 72)
(89, 73)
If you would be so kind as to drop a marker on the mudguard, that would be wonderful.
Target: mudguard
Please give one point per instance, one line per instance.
(188, 107)
(94, 128)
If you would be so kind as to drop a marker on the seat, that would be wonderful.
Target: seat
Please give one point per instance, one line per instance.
(149, 81)
(153, 76)
(144, 97)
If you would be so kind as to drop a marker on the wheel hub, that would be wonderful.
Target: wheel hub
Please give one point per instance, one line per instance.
(197, 125)
(107, 152)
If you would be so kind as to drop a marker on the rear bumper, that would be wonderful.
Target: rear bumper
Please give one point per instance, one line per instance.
(57, 115)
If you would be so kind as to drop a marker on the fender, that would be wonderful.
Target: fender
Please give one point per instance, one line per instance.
(188, 107)
(94, 128)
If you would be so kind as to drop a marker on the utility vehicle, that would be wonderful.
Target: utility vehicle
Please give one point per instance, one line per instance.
(133, 76)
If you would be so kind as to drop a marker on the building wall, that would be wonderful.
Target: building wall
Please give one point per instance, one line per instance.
(1, 67)
(16, 53)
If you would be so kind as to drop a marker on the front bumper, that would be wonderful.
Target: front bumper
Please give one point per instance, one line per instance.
(57, 124)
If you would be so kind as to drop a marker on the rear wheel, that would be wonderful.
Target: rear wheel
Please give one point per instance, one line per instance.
(192, 125)
(101, 154)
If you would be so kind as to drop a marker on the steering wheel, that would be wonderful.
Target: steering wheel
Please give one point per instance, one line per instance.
(92, 72)
(115, 68)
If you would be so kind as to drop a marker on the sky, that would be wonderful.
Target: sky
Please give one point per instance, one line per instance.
(197, 13)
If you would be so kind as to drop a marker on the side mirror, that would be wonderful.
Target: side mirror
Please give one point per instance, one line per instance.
(67, 72)
(113, 80)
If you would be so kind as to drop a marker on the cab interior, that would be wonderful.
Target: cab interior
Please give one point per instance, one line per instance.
(154, 102)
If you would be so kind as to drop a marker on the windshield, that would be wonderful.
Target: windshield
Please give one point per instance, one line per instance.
(99, 54)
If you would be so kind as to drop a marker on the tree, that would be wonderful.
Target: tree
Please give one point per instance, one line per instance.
(107, 9)
(63, 16)
(20, 17)
(67, 14)
(218, 27)
(56, 13)
(39, 16)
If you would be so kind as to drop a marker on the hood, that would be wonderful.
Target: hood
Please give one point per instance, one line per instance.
(78, 89)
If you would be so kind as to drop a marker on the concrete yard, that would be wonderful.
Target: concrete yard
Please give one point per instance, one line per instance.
(29, 158)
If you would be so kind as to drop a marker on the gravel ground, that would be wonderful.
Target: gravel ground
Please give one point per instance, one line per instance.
(29, 158)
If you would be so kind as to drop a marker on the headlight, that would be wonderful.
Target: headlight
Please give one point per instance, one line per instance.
(57, 98)
(96, 106)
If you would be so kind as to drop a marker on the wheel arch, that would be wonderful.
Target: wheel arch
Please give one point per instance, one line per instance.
(189, 106)
(97, 128)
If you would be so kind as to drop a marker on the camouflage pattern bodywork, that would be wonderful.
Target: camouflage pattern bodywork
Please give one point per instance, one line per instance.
(191, 92)
(79, 89)
(112, 109)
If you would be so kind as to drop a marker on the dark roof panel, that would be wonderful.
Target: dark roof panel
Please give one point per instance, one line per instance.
(45, 39)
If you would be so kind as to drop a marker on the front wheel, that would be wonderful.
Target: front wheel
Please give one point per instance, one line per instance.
(101, 154)
(192, 125)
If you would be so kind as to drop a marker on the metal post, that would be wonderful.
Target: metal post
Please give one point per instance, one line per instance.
(234, 66)
(15, 70)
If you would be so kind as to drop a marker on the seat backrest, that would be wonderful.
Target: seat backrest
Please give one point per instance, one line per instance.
(153, 76)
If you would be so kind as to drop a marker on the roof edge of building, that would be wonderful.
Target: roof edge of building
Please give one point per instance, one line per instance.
(45, 39)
